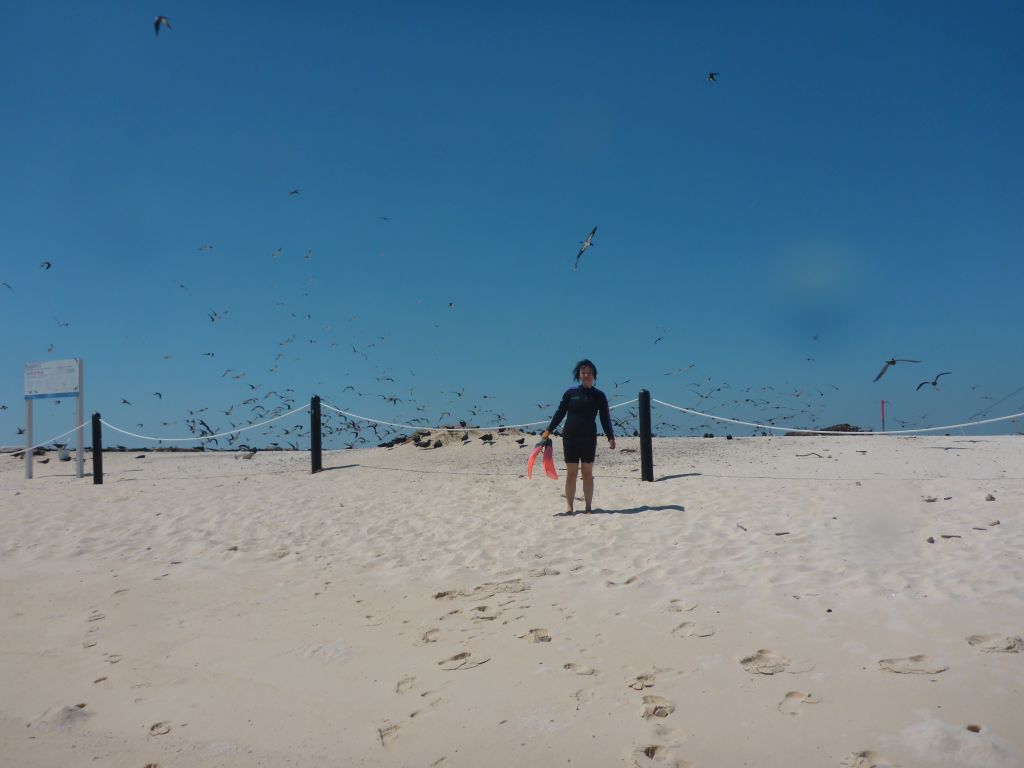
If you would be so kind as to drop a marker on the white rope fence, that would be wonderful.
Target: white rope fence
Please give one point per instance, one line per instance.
(106, 423)
(51, 440)
(835, 432)
(769, 427)
(453, 429)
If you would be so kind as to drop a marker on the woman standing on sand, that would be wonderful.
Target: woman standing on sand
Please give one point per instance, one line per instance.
(579, 438)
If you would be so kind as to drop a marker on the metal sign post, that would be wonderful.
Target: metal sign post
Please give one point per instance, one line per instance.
(80, 419)
(28, 439)
(49, 379)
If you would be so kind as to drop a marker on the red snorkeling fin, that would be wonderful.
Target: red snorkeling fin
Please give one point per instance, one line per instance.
(549, 461)
(533, 458)
(542, 448)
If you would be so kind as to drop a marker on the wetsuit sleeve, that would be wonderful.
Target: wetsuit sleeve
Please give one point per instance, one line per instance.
(606, 417)
(563, 408)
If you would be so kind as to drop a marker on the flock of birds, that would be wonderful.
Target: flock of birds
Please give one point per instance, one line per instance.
(218, 428)
(788, 407)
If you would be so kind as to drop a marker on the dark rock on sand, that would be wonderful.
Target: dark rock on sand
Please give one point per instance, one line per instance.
(834, 428)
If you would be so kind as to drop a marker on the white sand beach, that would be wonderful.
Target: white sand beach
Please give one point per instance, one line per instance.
(859, 604)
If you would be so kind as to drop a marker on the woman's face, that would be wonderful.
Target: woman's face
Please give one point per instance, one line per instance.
(587, 376)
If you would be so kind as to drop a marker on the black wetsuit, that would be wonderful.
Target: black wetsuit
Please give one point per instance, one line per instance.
(579, 438)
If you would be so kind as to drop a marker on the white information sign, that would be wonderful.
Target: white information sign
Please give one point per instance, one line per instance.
(52, 378)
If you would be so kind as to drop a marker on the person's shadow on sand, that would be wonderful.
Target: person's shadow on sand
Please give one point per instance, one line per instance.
(631, 511)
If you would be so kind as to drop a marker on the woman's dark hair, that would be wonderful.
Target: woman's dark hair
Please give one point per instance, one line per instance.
(580, 364)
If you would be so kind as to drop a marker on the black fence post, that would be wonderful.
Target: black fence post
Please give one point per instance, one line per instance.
(316, 453)
(646, 447)
(97, 450)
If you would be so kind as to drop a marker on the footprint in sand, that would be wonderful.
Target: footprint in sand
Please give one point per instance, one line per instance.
(405, 684)
(997, 643)
(536, 636)
(491, 588)
(913, 665)
(679, 605)
(545, 571)
(656, 706)
(627, 582)
(658, 756)
(430, 636)
(766, 662)
(96, 616)
(638, 683)
(484, 613)
(387, 734)
(690, 629)
(159, 729)
(866, 759)
(112, 658)
(793, 702)
(461, 661)
(449, 594)
(579, 669)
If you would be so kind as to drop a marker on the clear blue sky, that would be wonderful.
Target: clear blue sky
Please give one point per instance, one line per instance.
(850, 189)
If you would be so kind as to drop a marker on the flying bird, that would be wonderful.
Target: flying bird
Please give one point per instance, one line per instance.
(583, 246)
(6, 285)
(712, 77)
(161, 21)
(891, 362)
(295, 192)
(680, 370)
(45, 265)
(934, 382)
